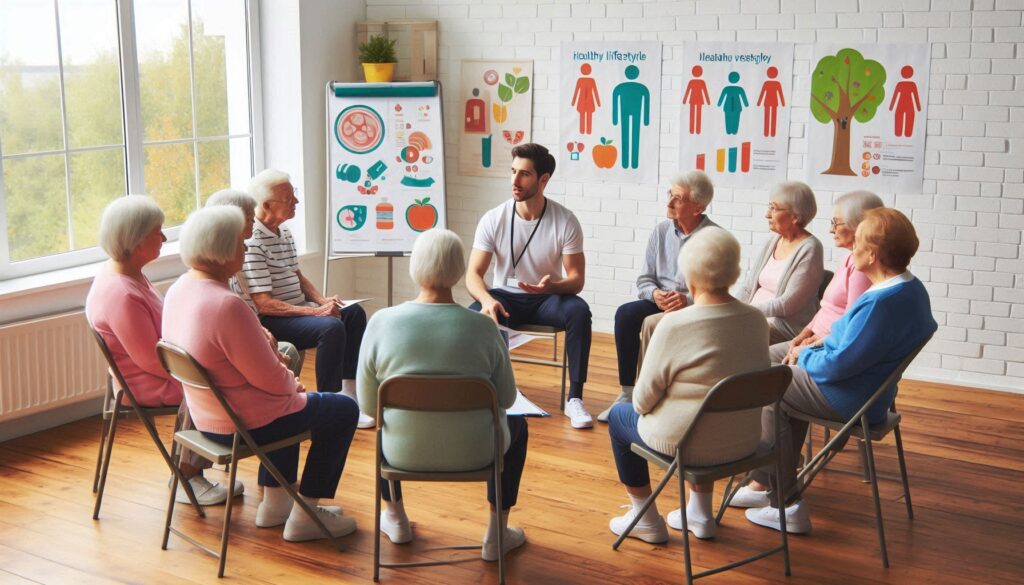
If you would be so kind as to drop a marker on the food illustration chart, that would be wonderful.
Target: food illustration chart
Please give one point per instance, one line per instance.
(496, 104)
(387, 175)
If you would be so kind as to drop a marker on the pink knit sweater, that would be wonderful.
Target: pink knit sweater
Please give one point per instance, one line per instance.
(846, 287)
(126, 313)
(221, 332)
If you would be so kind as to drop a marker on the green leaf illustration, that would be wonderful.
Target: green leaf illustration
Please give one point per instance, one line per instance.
(522, 84)
(504, 92)
(510, 79)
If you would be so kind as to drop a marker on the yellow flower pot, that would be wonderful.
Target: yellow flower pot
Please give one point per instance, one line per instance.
(378, 72)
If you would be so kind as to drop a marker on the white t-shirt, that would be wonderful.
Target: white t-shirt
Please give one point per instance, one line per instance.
(558, 234)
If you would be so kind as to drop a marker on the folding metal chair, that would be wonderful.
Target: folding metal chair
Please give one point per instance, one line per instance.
(552, 332)
(184, 368)
(733, 394)
(855, 427)
(436, 393)
(114, 409)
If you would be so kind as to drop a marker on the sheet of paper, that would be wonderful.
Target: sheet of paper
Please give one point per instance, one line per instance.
(350, 302)
(516, 338)
(524, 407)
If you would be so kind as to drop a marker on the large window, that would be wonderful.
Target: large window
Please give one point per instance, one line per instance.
(99, 98)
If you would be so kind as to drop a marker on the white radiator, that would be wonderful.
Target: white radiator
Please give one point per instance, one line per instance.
(46, 363)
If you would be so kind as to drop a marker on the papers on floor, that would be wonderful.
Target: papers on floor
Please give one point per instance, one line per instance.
(516, 338)
(524, 407)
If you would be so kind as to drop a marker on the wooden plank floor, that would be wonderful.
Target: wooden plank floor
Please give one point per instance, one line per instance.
(964, 452)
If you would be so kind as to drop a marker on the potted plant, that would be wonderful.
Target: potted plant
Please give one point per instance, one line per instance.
(378, 58)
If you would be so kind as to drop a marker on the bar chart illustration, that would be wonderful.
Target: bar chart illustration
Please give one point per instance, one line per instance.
(733, 159)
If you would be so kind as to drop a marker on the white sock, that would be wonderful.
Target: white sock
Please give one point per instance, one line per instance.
(348, 388)
(492, 526)
(651, 516)
(698, 508)
(276, 500)
(627, 391)
(396, 511)
(298, 515)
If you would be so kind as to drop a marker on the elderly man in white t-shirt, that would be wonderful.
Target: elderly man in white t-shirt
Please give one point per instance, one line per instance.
(540, 267)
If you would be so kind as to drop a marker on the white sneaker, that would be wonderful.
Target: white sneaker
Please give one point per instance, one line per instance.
(515, 537)
(300, 528)
(798, 518)
(622, 397)
(208, 493)
(703, 530)
(655, 533)
(366, 421)
(578, 415)
(399, 532)
(748, 498)
(266, 518)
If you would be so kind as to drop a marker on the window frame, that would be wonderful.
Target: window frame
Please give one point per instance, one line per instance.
(133, 135)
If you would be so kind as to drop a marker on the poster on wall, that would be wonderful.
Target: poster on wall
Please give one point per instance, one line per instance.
(385, 165)
(496, 107)
(734, 111)
(869, 107)
(610, 111)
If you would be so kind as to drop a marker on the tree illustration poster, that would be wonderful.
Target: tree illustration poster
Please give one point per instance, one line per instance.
(610, 111)
(869, 106)
(734, 104)
(494, 111)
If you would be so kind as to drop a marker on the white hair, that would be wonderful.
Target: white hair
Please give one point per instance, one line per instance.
(698, 186)
(126, 222)
(262, 185)
(710, 259)
(851, 206)
(438, 259)
(239, 199)
(799, 198)
(211, 235)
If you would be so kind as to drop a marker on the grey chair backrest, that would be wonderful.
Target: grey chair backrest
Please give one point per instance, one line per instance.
(185, 369)
(750, 390)
(112, 366)
(826, 279)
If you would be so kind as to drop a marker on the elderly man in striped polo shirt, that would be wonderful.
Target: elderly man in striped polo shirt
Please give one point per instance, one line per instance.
(660, 286)
(289, 305)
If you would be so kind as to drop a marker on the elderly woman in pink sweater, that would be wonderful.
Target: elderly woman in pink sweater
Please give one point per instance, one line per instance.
(203, 316)
(846, 286)
(125, 309)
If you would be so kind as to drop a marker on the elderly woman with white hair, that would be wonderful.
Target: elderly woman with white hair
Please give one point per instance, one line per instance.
(846, 285)
(206, 319)
(692, 349)
(288, 353)
(660, 287)
(126, 309)
(783, 281)
(434, 335)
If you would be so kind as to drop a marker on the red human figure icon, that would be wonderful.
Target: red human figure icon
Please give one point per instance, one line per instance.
(476, 114)
(586, 99)
(907, 102)
(696, 95)
(772, 99)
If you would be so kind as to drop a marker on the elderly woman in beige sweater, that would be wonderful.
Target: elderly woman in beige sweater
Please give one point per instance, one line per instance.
(691, 350)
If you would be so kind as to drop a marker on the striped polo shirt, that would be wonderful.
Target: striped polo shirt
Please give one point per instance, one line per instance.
(271, 264)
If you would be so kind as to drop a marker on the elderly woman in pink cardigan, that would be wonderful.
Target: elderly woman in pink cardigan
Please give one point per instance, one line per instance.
(125, 309)
(846, 286)
(203, 316)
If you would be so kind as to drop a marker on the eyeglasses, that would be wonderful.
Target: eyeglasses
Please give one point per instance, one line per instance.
(674, 197)
(293, 200)
(836, 224)
(772, 208)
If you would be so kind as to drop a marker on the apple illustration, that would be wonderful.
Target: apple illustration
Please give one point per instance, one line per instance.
(421, 215)
(605, 154)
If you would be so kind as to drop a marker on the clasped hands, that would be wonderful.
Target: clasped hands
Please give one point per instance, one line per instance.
(669, 300)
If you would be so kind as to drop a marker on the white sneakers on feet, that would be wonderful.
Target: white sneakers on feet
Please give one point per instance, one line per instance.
(654, 533)
(365, 421)
(514, 538)
(268, 518)
(798, 518)
(300, 527)
(748, 498)
(399, 531)
(208, 493)
(701, 529)
(622, 397)
(578, 415)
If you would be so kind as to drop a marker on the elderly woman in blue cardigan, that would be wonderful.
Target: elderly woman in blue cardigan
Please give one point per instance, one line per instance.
(834, 379)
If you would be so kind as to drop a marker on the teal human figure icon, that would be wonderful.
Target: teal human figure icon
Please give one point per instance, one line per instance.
(732, 101)
(631, 107)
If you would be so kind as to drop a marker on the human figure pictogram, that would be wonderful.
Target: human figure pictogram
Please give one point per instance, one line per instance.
(732, 101)
(586, 99)
(631, 105)
(476, 114)
(696, 95)
(771, 99)
(907, 103)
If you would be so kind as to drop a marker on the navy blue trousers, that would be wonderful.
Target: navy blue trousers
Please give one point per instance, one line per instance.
(511, 472)
(336, 341)
(331, 420)
(568, 312)
(629, 320)
(632, 468)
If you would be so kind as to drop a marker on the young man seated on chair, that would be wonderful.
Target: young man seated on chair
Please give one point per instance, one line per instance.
(535, 239)
(834, 380)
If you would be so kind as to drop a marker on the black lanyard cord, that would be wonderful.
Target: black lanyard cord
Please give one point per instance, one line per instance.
(512, 235)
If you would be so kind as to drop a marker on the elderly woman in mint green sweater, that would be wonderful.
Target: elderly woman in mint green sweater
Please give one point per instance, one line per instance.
(434, 335)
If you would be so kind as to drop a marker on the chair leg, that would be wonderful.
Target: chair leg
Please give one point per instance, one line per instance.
(227, 510)
(783, 528)
(175, 449)
(108, 448)
(103, 436)
(643, 510)
(687, 566)
(865, 476)
(276, 474)
(903, 472)
(172, 463)
(870, 464)
(498, 501)
(565, 362)
(376, 522)
(727, 497)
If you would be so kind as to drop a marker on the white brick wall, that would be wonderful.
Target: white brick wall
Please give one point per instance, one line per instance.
(969, 217)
